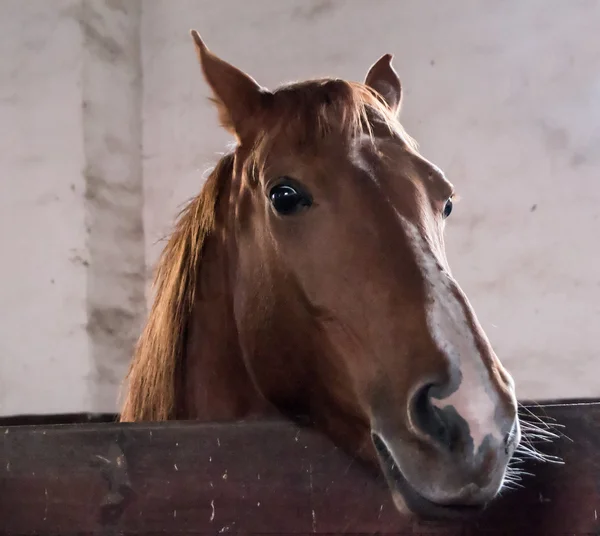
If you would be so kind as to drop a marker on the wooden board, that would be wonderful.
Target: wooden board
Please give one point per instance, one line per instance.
(260, 478)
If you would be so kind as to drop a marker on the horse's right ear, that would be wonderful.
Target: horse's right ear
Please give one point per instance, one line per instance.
(238, 97)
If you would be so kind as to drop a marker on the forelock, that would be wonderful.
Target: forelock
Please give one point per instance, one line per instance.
(305, 114)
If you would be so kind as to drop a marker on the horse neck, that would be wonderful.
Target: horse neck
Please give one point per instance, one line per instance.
(214, 381)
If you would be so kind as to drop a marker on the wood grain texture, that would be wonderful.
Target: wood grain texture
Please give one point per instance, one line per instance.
(174, 478)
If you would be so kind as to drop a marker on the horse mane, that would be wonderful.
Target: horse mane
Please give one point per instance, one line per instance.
(151, 390)
(307, 111)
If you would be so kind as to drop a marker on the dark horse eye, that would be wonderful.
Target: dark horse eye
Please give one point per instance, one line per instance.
(287, 199)
(448, 208)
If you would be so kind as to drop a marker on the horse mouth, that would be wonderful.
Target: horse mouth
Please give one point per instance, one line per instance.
(414, 501)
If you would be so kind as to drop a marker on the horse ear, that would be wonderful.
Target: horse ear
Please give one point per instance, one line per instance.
(237, 96)
(383, 78)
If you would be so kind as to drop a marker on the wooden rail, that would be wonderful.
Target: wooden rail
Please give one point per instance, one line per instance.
(104, 478)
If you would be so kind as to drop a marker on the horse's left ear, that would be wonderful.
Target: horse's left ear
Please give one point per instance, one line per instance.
(384, 79)
(239, 98)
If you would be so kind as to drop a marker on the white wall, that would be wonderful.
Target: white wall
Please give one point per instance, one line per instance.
(44, 354)
(505, 97)
(71, 233)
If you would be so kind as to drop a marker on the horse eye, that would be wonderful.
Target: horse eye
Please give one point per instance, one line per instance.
(448, 208)
(287, 199)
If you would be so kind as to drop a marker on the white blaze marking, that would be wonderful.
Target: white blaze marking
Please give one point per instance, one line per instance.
(475, 399)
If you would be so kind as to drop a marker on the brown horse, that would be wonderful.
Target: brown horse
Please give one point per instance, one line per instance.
(309, 277)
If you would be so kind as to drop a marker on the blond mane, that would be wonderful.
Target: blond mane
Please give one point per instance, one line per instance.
(310, 111)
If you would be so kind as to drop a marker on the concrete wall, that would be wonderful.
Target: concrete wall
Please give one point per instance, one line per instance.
(71, 233)
(505, 97)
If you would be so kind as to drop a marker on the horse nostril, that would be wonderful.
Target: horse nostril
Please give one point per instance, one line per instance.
(440, 425)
